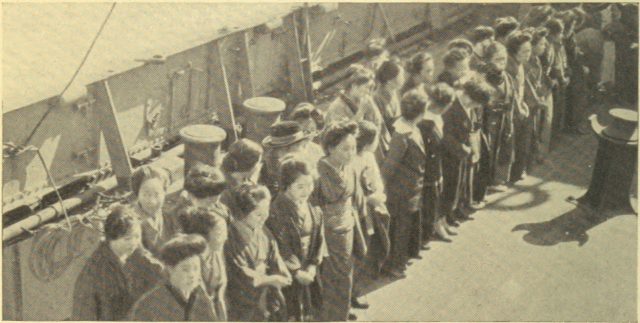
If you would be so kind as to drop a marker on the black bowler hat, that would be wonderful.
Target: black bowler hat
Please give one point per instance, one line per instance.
(283, 134)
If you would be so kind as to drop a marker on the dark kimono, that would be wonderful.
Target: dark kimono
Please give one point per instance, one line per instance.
(250, 255)
(105, 289)
(389, 105)
(523, 123)
(301, 244)
(339, 195)
(456, 158)
(403, 174)
(155, 232)
(166, 304)
(432, 185)
(498, 129)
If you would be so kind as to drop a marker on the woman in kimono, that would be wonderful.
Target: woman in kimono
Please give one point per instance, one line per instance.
(558, 71)
(403, 173)
(355, 103)
(339, 195)
(256, 272)
(242, 164)
(149, 185)
(499, 114)
(420, 69)
(181, 297)
(390, 78)
(519, 49)
(207, 217)
(538, 93)
(298, 228)
(106, 288)
(434, 225)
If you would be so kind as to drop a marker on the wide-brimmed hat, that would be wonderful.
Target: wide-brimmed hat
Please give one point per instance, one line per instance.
(622, 129)
(284, 133)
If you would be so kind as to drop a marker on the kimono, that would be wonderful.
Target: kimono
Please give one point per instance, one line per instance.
(456, 157)
(498, 129)
(105, 289)
(389, 105)
(403, 173)
(537, 95)
(166, 304)
(577, 94)
(155, 232)
(432, 185)
(344, 108)
(557, 70)
(214, 279)
(301, 243)
(340, 198)
(523, 129)
(251, 255)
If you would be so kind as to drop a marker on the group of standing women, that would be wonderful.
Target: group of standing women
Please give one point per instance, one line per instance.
(399, 159)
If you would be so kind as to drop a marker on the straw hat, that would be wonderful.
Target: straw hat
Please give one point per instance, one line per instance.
(283, 134)
(622, 129)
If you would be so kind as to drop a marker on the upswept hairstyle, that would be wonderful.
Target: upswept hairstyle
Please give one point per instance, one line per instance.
(204, 181)
(417, 62)
(453, 56)
(292, 168)
(477, 92)
(537, 34)
(198, 221)
(441, 94)
(242, 156)
(515, 40)
(181, 247)
(387, 71)
(461, 43)
(118, 223)
(247, 197)
(366, 134)
(336, 132)
(145, 173)
(413, 104)
(492, 49)
(481, 33)
(358, 75)
(555, 27)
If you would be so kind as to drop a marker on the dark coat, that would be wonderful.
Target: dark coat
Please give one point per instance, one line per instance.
(106, 290)
(282, 223)
(165, 304)
(458, 128)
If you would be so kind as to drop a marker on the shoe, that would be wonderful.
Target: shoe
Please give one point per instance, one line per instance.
(352, 317)
(478, 205)
(355, 303)
(451, 233)
(499, 188)
(425, 247)
(439, 237)
(452, 222)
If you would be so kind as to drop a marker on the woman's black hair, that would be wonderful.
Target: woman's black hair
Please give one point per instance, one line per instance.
(118, 223)
(145, 173)
(477, 92)
(461, 43)
(492, 49)
(242, 156)
(417, 62)
(481, 33)
(413, 104)
(387, 71)
(537, 34)
(204, 181)
(247, 197)
(358, 75)
(305, 111)
(505, 25)
(181, 247)
(441, 94)
(453, 56)
(336, 132)
(555, 27)
(292, 168)
(198, 221)
(515, 40)
(367, 132)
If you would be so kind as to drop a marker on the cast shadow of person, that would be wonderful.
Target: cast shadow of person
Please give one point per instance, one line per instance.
(568, 227)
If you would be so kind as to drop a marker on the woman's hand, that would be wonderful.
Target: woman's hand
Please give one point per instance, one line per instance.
(277, 281)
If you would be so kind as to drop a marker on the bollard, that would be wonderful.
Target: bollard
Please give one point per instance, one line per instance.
(261, 113)
(202, 145)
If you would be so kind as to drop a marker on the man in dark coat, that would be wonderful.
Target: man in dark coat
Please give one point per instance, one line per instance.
(106, 289)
